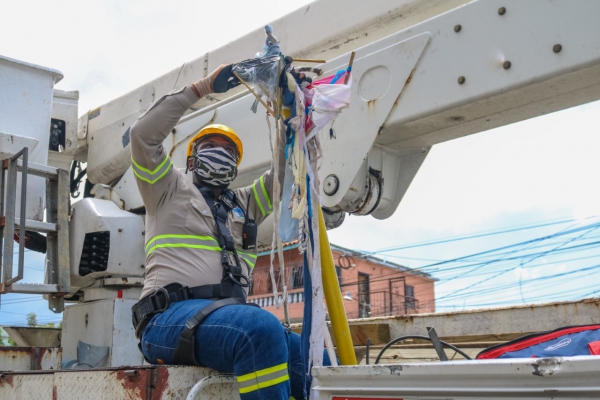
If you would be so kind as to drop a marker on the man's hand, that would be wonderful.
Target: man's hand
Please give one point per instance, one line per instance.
(219, 81)
(223, 79)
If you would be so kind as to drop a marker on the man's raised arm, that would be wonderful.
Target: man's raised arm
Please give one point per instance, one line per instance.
(150, 162)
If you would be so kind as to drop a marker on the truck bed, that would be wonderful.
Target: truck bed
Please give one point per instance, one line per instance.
(544, 378)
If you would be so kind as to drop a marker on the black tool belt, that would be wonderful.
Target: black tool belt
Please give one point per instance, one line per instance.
(159, 301)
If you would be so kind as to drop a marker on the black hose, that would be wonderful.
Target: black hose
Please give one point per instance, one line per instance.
(401, 338)
(347, 260)
(87, 189)
(75, 180)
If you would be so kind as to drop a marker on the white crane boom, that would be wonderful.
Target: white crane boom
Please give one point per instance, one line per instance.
(462, 71)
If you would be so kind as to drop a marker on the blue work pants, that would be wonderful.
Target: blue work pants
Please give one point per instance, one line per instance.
(243, 340)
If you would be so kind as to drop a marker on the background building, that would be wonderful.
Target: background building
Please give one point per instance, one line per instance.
(371, 287)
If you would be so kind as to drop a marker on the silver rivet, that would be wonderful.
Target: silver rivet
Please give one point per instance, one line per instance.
(461, 79)
(331, 185)
(203, 211)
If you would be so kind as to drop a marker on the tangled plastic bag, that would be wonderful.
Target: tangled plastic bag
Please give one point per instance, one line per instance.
(288, 226)
(271, 46)
(327, 98)
(262, 72)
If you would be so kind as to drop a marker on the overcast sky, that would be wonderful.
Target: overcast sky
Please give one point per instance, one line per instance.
(544, 169)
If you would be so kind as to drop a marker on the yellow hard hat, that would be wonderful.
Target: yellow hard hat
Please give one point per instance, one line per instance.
(217, 129)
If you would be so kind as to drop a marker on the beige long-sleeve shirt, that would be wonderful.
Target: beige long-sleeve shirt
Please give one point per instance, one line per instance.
(181, 236)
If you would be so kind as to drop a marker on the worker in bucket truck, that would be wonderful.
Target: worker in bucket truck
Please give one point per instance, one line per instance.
(200, 251)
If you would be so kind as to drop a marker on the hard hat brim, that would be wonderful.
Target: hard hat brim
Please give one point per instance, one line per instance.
(217, 129)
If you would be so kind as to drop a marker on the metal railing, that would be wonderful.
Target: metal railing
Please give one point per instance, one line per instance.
(382, 303)
(8, 220)
(58, 279)
(260, 281)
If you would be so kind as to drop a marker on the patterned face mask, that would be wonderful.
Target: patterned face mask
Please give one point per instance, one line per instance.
(215, 166)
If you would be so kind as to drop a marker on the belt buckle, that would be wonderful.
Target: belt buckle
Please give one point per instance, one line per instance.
(186, 293)
(153, 297)
(138, 328)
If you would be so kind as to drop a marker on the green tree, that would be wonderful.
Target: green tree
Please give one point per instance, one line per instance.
(32, 319)
(11, 342)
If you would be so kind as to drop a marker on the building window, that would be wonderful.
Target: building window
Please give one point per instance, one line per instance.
(251, 288)
(364, 296)
(409, 296)
(338, 272)
(277, 280)
(298, 277)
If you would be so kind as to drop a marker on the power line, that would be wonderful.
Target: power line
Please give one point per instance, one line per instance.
(536, 240)
(592, 292)
(23, 301)
(510, 303)
(15, 313)
(536, 255)
(17, 299)
(533, 258)
(494, 289)
(472, 236)
(594, 268)
(488, 290)
(485, 259)
(545, 264)
(545, 297)
(533, 255)
(500, 262)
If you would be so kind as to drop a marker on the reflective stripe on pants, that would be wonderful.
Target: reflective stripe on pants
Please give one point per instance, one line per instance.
(263, 378)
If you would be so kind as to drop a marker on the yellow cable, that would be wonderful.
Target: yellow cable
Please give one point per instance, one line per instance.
(333, 296)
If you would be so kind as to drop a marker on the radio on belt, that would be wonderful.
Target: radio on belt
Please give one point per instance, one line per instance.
(249, 233)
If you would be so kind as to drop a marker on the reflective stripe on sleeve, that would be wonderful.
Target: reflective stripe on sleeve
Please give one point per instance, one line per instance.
(263, 378)
(262, 197)
(148, 176)
(194, 242)
(262, 186)
(249, 258)
(189, 241)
